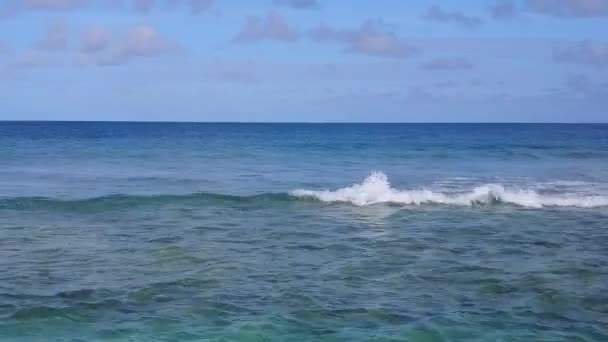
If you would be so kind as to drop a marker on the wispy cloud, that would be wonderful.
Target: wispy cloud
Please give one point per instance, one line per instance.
(52, 4)
(103, 46)
(146, 41)
(455, 63)
(95, 39)
(446, 84)
(237, 72)
(591, 53)
(436, 13)
(195, 7)
(271, 27)
(299, 4)
(143, 6)
(569, 8)
(55, 36)
(29, 60)
(371, 38)
(503, 9)
(199, 6)
(580, 85)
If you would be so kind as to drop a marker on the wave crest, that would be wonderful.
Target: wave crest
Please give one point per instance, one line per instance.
(376, 188)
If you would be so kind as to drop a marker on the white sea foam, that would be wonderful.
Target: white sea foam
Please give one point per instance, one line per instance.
(377, 189)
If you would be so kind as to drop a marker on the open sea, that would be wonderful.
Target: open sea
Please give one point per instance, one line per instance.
(303, 232)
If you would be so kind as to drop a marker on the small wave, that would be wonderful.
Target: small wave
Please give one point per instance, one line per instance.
(110, 202)
(377, 189)
(373, 190)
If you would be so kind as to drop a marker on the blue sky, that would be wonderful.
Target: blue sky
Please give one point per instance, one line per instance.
(305, 60)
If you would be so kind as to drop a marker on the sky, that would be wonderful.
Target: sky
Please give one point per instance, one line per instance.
(304, 60)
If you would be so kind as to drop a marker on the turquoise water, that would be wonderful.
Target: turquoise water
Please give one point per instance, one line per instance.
(303, 232)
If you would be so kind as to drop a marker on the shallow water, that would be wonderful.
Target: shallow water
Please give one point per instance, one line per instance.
(236, 232)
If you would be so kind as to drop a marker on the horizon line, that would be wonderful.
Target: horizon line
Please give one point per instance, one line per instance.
(311, 122)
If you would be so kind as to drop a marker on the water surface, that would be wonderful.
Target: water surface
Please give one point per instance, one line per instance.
(303, 232)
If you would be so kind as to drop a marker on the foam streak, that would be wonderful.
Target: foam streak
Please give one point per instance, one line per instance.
(377, 189)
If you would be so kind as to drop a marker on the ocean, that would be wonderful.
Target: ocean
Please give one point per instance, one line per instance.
(303, 232)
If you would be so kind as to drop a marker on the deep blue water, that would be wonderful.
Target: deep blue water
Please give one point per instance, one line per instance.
(303, 232)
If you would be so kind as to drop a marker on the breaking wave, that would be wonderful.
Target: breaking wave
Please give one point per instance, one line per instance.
(377, 189)
(374, 189)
